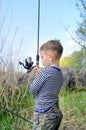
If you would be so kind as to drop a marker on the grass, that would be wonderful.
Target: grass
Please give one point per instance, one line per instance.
(22, 103)
(72, 103)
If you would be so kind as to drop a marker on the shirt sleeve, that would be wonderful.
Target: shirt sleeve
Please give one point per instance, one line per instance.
(37, 83)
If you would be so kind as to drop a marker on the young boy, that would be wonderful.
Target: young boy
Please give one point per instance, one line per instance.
(46, 87)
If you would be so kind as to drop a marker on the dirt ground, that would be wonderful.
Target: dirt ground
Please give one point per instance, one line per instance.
(72, 127)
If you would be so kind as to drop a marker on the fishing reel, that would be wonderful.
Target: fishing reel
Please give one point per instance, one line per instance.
(28, 64)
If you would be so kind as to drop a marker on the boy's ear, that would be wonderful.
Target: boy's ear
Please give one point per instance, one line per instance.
(50, 55)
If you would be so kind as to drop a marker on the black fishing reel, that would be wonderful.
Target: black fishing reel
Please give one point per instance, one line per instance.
(28, 64)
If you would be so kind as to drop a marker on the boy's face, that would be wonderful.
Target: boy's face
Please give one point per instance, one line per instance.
(46, 58)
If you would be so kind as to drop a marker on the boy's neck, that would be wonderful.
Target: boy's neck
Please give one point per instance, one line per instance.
(55, 64)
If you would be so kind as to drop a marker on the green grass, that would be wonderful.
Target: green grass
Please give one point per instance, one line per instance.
(72, 103)
(23, 103)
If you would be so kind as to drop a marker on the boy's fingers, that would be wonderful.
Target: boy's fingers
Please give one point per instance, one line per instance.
(36, 69)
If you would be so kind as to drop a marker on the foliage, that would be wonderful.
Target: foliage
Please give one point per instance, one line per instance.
(72, 103)
(21, 104)
(74, 107)
(74, 60)
(81, 31)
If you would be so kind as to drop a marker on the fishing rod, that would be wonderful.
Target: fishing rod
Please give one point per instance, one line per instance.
(38, 29)
(16, 114)
(29, 63)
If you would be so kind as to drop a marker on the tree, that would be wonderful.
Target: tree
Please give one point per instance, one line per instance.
(74, 60)
(81, 31)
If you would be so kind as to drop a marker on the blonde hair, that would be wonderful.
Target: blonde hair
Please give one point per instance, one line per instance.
(54, 46)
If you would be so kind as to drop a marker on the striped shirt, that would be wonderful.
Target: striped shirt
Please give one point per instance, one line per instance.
(46, 87)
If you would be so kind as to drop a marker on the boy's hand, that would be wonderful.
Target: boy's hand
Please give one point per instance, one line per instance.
(36, 69)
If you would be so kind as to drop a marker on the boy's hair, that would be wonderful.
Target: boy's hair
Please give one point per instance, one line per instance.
(53, 45)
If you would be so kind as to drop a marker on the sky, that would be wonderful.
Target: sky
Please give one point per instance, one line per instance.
(19, 29)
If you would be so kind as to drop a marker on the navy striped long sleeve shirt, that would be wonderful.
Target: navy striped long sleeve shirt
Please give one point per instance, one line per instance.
(46, 87)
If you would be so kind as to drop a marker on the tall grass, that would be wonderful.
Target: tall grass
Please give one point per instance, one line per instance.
(72, 103)
(21, 104)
